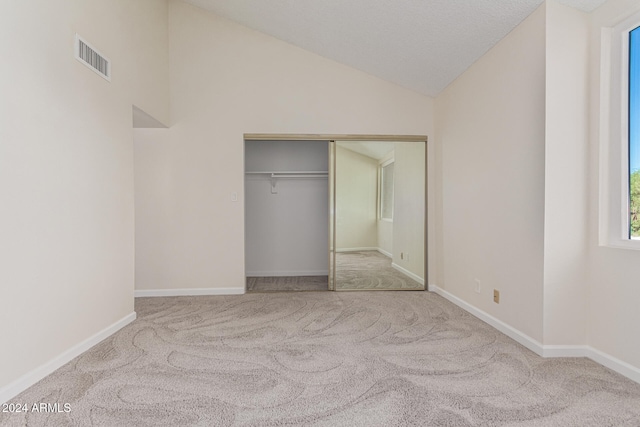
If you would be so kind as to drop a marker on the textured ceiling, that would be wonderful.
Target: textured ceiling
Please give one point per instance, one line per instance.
(422, 45)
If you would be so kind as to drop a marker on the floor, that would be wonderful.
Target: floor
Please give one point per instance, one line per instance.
(322, 359)
(363, 270)
(287, 284)
(370, 270)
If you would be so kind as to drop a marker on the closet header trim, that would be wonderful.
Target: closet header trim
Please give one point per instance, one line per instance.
(331, 137)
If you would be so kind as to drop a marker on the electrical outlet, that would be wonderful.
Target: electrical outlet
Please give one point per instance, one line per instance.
(496, 296)
(478, 285)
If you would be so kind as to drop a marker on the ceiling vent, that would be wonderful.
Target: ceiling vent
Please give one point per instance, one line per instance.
(93, 59)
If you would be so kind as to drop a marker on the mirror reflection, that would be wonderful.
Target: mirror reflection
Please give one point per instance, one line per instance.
(379, 204)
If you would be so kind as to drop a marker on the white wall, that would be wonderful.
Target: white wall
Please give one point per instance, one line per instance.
(528, 167)
(409, 207)
(286, 156)
(490, 148)
(613, 280)
(356, 200)
(227, 80)
(286, 233)
(566, 153)
(385, 236)
(66, 172)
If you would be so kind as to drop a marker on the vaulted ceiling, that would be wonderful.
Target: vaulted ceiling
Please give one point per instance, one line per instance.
(422, 45)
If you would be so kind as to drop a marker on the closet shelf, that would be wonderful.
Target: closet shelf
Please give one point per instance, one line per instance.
(292, 174)
(287, 172)
(275, 176)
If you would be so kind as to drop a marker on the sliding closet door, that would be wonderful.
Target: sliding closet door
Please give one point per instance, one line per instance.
(332, 215)
(379, 215)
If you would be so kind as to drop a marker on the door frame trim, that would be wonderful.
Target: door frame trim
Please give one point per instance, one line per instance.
(361, 137)
(329, 137)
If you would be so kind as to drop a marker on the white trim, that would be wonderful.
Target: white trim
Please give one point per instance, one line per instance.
(286, 273)
(565, 351)
(141, 293)
(76, 49)
(621, 367)
(30, 378)
(408, 273)
(606, 360)
(385, 253)
(632, 244)
(382, 251)
(613, 192)
(546, 351)
(509, 331)
(387, 162)
(380, 180)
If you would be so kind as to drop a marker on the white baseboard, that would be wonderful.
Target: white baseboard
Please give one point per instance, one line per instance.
(617, 365)
(140, 293)
(565, 351)
(382, 251)
(408, 273)
(623, 368)
(613, 363)
(287, 273)
(356, 249)
(509, 331)
(30, 378)
(385, 253)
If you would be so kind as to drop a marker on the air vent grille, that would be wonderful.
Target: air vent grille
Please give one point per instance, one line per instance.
(90, 57)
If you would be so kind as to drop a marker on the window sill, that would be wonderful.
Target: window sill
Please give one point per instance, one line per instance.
(630, 244)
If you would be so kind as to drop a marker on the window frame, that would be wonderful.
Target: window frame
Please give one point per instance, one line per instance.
(614, 197)
(381, 198)
(627, 115)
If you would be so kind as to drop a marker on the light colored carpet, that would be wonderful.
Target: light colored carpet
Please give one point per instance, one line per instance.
(370, 270)
(323, 359)
(287, 283)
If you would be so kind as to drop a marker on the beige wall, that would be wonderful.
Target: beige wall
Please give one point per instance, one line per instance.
(520, 188)
(409, 207)
(227, 80)
(507, 209)
(614, 284)
(66, 169)
(565, 176)
(356, 200)
(490, 148)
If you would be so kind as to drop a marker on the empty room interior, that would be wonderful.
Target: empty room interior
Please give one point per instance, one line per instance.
(320, 212)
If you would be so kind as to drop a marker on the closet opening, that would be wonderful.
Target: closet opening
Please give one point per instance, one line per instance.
(335, 212)
(286, 215)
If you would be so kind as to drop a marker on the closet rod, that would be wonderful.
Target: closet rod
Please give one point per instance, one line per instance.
(298, 175)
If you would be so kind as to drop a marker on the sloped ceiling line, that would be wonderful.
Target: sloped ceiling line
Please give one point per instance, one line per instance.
(422, 45)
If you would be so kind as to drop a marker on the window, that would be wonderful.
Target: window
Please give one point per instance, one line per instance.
(634, 133)
(386, 191)
(620, 135)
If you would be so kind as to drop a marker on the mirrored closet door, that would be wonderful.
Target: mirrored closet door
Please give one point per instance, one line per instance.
(378, 215)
